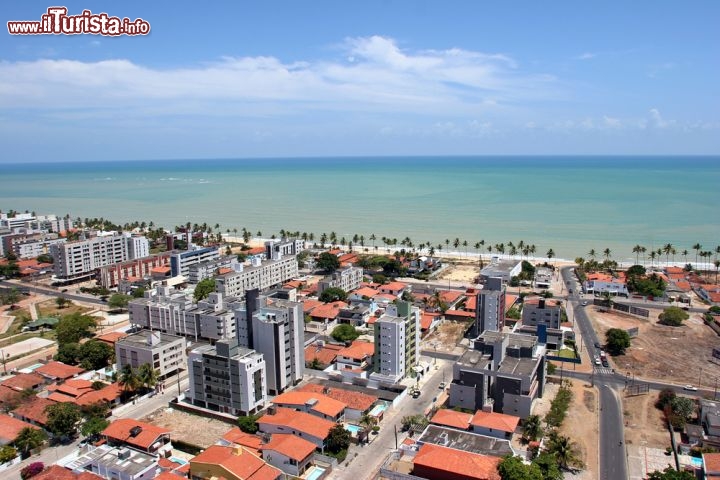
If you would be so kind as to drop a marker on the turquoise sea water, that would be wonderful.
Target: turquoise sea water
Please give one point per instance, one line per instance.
(570, 204)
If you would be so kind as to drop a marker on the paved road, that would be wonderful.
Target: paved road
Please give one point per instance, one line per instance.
(366, 461)
(52, 292)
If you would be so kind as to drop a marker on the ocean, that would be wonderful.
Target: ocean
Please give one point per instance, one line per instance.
(571, 204)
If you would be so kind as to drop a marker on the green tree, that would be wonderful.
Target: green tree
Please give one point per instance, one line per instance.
(45, 258)
(62, 302)
(617, 341)
(93, 426)
(532, 428)
(128, 379)
(203, 289)
(94, 355)
(333, 294)
(345, 333)
(683, 407)
(119, 301)
(564, 450)
(68, 353)
(327, 262)
(7, 453)
(138, 292)
(73, 327)
(513, 468)
(316, 364)
(63, 419)
(673, 316)
(665, 398)
(338, 439)
(548, 466)
(670, 474)
(248, 423)
(28, 439)
(147, 376)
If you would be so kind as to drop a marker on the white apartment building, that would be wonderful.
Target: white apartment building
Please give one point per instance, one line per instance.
(180, 262)
(166, 353)
(167, 310)
(200, 271)
(138, 247)
(277, 248)
(348, 279)
(397, 339)
(75, 260)
(260, 275)
(35, 248)
(227, 378)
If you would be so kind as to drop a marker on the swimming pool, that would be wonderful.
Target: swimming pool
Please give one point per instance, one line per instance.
(696, 462)
(315, 473)
(378, 409)
(181, 461)
(354, 429)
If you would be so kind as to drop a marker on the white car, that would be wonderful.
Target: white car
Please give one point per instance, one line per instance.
(692, 388)
(597, 360)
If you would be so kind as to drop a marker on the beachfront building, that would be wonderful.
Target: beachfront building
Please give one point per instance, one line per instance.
(278, 248)
(505, 373)
(208, 269)
(47, 223)
(170, 311)
(110, 276)
(490, 306)
(274, 328)
(598, 283)
(181, 262)
(26, 243)
(397, 340)
(541, 311)
(347, 279)
(259, 275)
(227, 378)
(79, 259)
(503, 269)
(166, 353)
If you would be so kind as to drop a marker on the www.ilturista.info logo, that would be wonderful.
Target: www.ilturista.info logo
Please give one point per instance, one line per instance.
(57, 22)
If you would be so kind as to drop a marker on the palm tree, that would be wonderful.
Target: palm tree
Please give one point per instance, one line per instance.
(368, 421)
(128, 379)
(636, 250)
(465, 244)
(697, 248)
(592, 253)
(373, 238)
(606, 252)
(28, 439)
(668, 248)
(564, 450)
(652, 257)
(685, 254)
(532, 428)
(717, 267)
(550, 254)
(147, 376)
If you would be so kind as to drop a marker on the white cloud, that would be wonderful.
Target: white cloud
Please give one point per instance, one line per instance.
(373, 74)
(586, 56)
(657, 120)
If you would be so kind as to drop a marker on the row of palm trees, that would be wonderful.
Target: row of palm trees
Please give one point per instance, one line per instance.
(561, 447)
(669, 249)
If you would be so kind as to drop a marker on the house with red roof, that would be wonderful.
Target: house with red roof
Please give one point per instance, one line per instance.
(450, 418)
(304, 425)
(235, 436)
(435, 462)
(11, 427)
(56, 472)
(356, 356)
(313, 403)
(709, 293)
(231, 463)
(325, 316)
(357, 403)
(430, 320)
(33, 411)
(289, 453)
(395, 289)
(325, 353)
(24, 381)
(711, 466)
(111, 337)
(494, 424)
(142, 436)
(70, 390)
(54, 371)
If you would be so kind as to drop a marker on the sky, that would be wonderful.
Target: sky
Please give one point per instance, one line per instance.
(328, 78)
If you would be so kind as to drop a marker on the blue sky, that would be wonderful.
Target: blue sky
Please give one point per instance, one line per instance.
(305, 78)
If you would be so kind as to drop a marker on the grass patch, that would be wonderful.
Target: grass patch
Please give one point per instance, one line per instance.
(566, 353)
(22, 316)
(49, 308)
(558, 407)
(340, 456)
(48, 334)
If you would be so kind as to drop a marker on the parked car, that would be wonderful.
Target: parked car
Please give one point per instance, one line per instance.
(415, 393)
(597, 345)
(605, 363)
(692, 388)
(442, 385)
(584, 304)
(597, 360)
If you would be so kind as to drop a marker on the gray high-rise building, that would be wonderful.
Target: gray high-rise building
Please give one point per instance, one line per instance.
(490, 310)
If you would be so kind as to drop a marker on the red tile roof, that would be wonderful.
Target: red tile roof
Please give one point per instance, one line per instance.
(237, 461)
(8, 395)
(300, 421)
(366, 292)
(393, 286)
(56, 472)
(325, 354)
(322, 404)
(495, 421)
(251, 442)
(111, 337)
(358, 350)
(310, 304)
(328, 310)
(459, 313)
(450, 296)
(10, 428)
(108, 394)
(56, 370)
(291, 446)
(169, 475)
(120, 430)
(34, 410)
(458, 463)
(24, 381)
(471, 303)
(426, 320)
(712, 462)
(510, 301)
(451, 418)
(355, 400)
(74, 387)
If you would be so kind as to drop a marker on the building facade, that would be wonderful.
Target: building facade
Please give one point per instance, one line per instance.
(260, 275)
(227, 378)
(490, 310)
(541, 311)
(347, 279)
(166, 353)
(80, 259)
(110, 276)
(397, 340)
(181, 262)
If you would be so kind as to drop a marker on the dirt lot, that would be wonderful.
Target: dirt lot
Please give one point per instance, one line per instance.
(192, 429)
(643, 422)
(447, 335)
(581, 425)
(676, 354)
(49, 308)
(461, 272)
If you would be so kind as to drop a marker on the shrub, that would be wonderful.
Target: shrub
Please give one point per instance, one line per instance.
(32, 470)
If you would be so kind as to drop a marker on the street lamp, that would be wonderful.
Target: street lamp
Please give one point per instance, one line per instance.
(4, 360)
